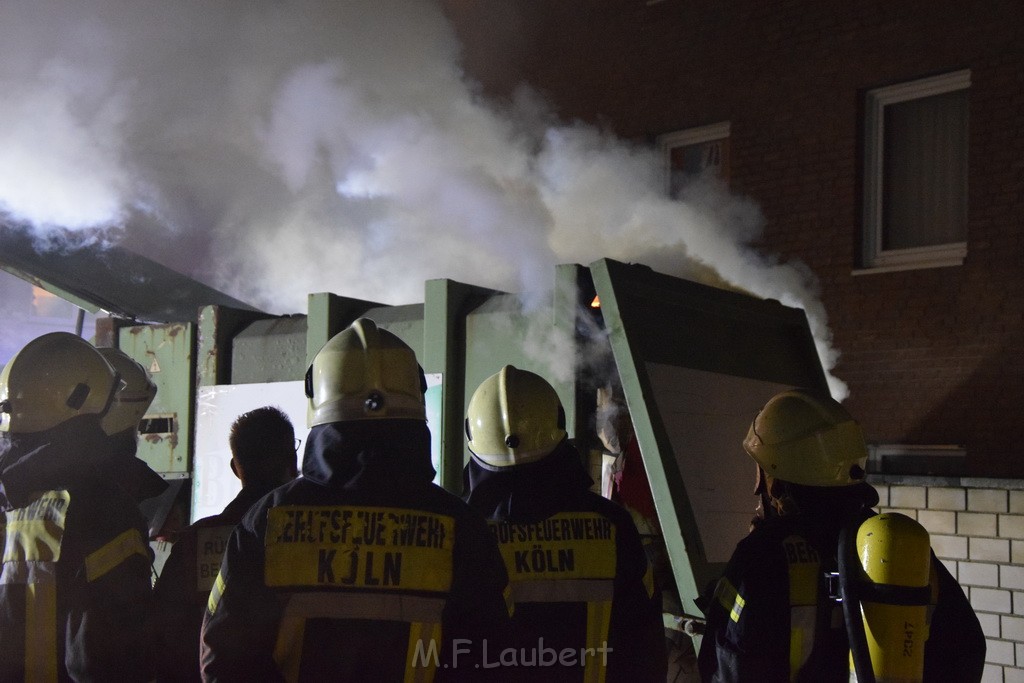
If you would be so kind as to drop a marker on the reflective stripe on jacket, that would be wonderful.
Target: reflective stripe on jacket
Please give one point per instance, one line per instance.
(70, 583)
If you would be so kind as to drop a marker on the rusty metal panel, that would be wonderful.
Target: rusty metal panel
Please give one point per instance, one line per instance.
(165, 433)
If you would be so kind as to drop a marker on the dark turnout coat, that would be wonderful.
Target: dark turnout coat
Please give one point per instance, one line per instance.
(76, 572)
(580, 579)
(183, 589)
(362, 569)
(770, 618)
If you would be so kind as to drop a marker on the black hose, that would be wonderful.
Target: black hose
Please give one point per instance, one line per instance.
(849, 571)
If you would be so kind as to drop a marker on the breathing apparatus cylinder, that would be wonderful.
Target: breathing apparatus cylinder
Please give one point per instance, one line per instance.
(886, 605)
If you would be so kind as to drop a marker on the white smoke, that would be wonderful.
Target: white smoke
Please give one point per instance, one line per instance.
(280, 148)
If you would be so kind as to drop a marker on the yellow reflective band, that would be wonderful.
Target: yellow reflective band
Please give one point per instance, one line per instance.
(578, 545)
(210, 545)
(796, 651)
(804, 570)
(124, 546)
(215, 593)
(804, 575)
(34, 532)
(41, 632)
(510, 604)
(729, 598)
(288, 648)
(422, 613)
(422, 655)
(598, 619)
(802, 624)
(357, 547)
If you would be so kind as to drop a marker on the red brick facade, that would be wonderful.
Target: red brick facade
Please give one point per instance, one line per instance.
(932, 356)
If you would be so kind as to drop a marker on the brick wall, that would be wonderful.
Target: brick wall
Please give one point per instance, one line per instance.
(931, 356)
(977, 530)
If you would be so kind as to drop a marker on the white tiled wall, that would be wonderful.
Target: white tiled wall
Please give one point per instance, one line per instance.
(978, 533)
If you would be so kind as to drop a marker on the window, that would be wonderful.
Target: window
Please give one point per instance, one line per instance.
(915, 173)
(943, 460)
(696, 153)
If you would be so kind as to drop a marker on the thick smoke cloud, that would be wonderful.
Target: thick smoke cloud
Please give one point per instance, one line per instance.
(278, 148)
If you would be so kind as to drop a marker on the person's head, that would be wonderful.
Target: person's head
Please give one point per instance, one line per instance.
(263, 447)
(52, 380)
(365, 373)
(809, 440)
(514, 418)
(133, 396)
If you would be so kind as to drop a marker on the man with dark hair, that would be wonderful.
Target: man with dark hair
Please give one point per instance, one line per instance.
(263, 448)
(263, 457)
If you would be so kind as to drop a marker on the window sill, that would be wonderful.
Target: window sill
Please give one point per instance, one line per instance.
(942, 256)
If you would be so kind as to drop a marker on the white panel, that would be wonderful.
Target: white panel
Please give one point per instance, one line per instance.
(214, 485)
(706, 416)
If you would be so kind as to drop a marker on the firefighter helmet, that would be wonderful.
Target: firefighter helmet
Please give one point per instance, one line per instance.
(364, 373)
(807, 439)
(52, 379)
(514, 417)
(134, 393)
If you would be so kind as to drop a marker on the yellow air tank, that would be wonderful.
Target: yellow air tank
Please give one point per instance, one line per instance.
(895, 555)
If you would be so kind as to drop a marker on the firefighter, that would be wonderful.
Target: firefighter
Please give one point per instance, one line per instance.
(134, 395)
(580, 579)
(785, 608)
(362, 569)
(75, 582)
(263, 454)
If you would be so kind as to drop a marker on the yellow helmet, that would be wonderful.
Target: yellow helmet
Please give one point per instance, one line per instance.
(52, 379)
(807, 439)
(364, 373)
(134, 393)
(514, 417)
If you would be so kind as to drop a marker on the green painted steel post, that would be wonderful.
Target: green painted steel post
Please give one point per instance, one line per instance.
(328, 314)
(444, 352)
(217, 326)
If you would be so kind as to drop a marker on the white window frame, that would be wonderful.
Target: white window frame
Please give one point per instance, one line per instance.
(875, 258)
(689, 136)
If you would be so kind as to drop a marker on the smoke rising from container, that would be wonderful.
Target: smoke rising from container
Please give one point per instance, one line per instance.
(274, 149)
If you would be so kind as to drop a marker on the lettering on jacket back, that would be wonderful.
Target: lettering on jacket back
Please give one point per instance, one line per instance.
(568, 545)
(359, 548)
